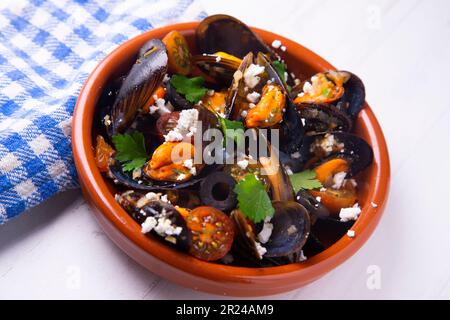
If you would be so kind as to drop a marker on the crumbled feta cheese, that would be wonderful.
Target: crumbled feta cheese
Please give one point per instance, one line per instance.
(283, 48)
(173, 135)
(188, 163)
(338, 180)
(165, 227)
(302, 256)
(348, 214)
(266, 231)
(288, 170)
(374, 205)
(276, 44)
(237, 76)
(152, 196)
(251, 105)
(308, 88)
(210, 92)
(148, 225)
(253, 97)
(295, 155)
(242, 164)
(351, 233)
(136, 173)
(218, 58)
(166, 78)
(165, 199)
(303, 121)
(318, 199)
(323, 189)
(292, 229)
(260, 249)
(186, 126)
(251, 75)
(107, 120)
(297, 81)
(181, 177)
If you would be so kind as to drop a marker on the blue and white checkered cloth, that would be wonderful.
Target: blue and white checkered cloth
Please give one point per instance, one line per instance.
(47, 50)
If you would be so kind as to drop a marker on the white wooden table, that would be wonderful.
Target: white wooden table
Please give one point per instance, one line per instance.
(401, 50)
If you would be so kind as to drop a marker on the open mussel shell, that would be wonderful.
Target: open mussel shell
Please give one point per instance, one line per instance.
(236, 99)
(321, 117)
(354, 96)
(291, 128)
(140, 208)
(225, 33)
(147, 184)
(144, 77)
(316, 209)
(345, 145)
(291, 227)
(219, 68)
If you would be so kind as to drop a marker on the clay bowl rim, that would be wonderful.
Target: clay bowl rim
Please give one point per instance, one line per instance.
(101, 197)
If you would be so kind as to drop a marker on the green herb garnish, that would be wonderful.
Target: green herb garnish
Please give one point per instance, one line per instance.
(253, 200)
(191, 88)
(233, 130)
(305, 180)
(130, 150)
(326, 92)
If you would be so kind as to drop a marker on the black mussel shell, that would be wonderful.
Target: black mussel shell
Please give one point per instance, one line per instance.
(124, 179)
(221, 71)
(216, 190)
(354, 149)
(236, 94)
(228, 34)
(144, 77)
(323, 118)
(178, 101)
(291, 128)
(316, 209)
(142, 208)
(291, 227)
(354, 96)
(328, 231)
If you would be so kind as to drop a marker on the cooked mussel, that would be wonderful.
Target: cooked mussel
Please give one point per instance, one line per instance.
(220, 66)
(227, 34)
(144, 77)
(157, 217)
(322, 147)
(320, 117)
(343, 89)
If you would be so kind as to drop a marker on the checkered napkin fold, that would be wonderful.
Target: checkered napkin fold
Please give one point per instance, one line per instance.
(47, 50)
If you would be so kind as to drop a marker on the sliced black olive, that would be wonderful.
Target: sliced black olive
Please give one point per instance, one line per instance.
(216, 191)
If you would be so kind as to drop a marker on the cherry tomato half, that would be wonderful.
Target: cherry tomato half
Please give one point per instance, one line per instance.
(212, 233)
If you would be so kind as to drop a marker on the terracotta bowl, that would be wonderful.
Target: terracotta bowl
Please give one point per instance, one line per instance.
(182, 268)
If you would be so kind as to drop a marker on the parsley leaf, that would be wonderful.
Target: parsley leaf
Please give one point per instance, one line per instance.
(130, 150)
(305, 180)
(191, 88)
(326, 92)
(238, 130)
(254, 202)
(280, 68)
